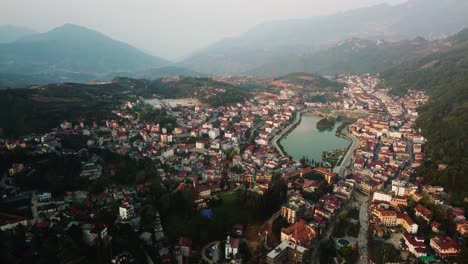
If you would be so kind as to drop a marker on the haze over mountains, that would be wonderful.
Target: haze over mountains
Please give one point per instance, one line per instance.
(10, 33)
(70, 53)
(274, 42)
(362, 40)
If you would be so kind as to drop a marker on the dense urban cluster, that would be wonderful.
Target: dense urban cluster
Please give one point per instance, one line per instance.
(160, 157)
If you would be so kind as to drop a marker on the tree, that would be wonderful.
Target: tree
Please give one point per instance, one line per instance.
(350, 253)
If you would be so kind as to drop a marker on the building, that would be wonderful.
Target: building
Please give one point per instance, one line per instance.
(185, 246)
(407, 223)
(10, 223)
(231, 247)
(288, 252)
(398, 200)
(213, 133)
(15, 168)
(382, 197)
(416, 245)
(44, 197)
(299, 233)
(91, 170)
(387, 217)
(423, 212)
(126, 210)
(293, 210)
(462, 228)
(444, 246)
(326, 173)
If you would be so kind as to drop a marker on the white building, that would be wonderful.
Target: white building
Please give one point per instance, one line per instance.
(213, 133)
(126, 212)
(379, 196)
(44, 197)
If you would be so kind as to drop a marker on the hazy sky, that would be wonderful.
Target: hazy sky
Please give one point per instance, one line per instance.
(169, 28)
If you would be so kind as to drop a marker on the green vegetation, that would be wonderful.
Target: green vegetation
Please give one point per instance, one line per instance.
(444, 121)
(382, 253)
(350, 253)
(344, 122)
(160, 117)
(23, 111)
(206, 90)
(345, 227)
(326, 123)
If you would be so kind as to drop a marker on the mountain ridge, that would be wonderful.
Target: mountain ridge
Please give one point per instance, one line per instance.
(268, 41)
(69, 51)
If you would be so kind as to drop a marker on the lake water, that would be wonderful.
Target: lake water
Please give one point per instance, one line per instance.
(306, 140)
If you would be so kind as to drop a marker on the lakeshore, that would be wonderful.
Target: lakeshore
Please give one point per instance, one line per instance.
(308, 141)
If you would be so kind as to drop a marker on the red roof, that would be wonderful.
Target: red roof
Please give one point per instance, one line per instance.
(185, 242)
(299, 231)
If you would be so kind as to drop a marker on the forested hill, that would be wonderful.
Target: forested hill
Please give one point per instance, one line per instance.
(444, 121)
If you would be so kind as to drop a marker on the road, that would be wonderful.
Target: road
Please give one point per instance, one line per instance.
(364, 221)
(34, 204)
(341, 170)
(274, 142)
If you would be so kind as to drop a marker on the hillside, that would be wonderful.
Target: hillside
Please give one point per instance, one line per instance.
(444, 121)
(206, 90)
(354, 55)
(70, 53)
(311, 81)
(288, 41)
(23, 111)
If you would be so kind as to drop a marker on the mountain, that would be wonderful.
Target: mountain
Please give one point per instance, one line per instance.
(156, 73)
(353, 55)
(444, 121)
(276, 41)
(69, 53)
(10, 33)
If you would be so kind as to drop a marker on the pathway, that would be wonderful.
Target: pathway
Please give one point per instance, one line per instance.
(286, 130)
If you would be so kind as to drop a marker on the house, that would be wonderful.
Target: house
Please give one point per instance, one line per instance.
(382, 197)
(462, 228)
(407, 223)
(126, 210)
(387, 217)
(435, 226)
(231, 248)
(200, 144)
(185, 245)
(91, 170)
(444, 246)
(416, 245)
(7, 223)
(213, 133)
(15, 168)
(310, 185)
(44, 197)
(66, 125)
(93, 232)
(293, 210)
(398, 200)
(423, 212)
(299, 233)
(288, 252)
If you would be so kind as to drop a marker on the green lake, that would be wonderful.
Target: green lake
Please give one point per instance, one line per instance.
(307, 140)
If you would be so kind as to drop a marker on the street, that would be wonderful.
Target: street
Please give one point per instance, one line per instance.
(364, 221)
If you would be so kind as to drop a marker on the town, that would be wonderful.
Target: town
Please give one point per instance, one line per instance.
(181, 181)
